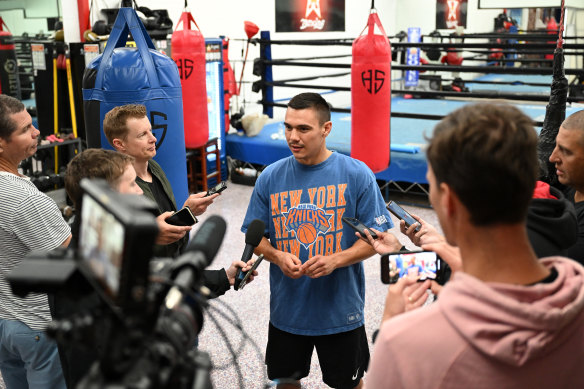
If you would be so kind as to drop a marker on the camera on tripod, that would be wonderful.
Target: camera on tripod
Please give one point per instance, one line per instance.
(149, 311)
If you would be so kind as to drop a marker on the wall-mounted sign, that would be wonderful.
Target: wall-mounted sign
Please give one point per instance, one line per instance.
(450, 14)
(310, 15)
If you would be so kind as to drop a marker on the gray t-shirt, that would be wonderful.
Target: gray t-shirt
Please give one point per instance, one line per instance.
(29, 220)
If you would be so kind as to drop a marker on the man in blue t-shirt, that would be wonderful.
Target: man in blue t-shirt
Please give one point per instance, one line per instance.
(317, 282)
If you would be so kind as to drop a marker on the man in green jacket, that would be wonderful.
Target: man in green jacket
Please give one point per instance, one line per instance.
(129, 131)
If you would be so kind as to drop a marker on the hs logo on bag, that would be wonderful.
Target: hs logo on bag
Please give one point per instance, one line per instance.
(373, 80)
(185, 69)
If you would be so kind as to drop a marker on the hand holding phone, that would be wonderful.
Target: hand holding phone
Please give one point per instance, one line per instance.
(402, 214)
(359, 227)
(184, 217)
(422, 264)
(250, 272)
(220, 187)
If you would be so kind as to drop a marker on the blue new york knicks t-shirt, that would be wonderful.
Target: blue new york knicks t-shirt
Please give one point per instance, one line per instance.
(302, 207)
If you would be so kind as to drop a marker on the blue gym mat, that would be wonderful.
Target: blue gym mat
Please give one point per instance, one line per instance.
(517, 86)
(407, 135)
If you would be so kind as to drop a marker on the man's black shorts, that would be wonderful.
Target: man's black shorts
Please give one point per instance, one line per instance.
(343, 357)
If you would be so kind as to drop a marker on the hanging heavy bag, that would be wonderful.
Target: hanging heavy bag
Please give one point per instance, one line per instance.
(138, 75)
(9, 80)
(371, 96)
(229, 84)
(188, 52)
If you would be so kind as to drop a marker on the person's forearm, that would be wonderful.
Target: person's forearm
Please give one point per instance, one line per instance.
(67, 241)
(356, 253)
(265, 247)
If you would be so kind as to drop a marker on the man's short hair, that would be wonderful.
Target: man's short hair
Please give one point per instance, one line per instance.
(575, 121)
(8, 106)
(114, 123)
(312, 100)
(95, 163)
(487, 154)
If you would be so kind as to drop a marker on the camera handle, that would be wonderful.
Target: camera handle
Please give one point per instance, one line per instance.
(202, 374)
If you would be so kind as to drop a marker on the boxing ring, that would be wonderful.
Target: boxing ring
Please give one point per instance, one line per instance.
(412, 119)
(408, 160)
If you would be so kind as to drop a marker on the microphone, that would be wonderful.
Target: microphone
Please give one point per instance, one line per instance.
(200, 252)
(253, 237)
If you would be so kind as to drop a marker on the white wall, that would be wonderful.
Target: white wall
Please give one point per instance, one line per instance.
(18, 25)
(36, 13)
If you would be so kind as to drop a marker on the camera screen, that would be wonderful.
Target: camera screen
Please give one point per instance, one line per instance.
(101, 244)
(424, 265)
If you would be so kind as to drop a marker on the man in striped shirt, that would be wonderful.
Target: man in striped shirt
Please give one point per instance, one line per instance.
(29, 220)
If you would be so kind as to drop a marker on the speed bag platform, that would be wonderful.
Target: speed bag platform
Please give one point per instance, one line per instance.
(138, 75)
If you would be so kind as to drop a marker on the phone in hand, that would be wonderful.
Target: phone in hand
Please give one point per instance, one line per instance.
(220, 187)
(250, 271)
(184, 217)
(402, 214)
(359, 227)
(422, 264)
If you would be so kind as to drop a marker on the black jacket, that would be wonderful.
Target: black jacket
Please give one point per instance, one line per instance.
(552, 226)
(576, 251)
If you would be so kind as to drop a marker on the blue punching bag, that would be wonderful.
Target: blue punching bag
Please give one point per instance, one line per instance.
(138, 75)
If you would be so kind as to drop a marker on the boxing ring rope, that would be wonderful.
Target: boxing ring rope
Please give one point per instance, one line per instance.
(523, 51)
(486, 94)
(422, 76)
(422, 45)
(518, 82)
(319, 57)
(422, 93)
(405, 115)
(519, 37)
(316, 77)
(436, 68)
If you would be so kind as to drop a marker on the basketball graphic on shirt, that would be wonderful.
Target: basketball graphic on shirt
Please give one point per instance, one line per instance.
(307, 221)
(306, 233)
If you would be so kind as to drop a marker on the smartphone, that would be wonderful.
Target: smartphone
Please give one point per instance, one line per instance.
(184, 217)
(402, 214)
(220, 187)
(250, 271)
(425, 264)
(359, 227)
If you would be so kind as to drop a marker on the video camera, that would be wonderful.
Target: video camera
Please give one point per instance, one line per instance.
(149, 312)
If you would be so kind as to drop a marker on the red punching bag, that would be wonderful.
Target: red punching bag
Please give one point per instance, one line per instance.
(552, 28)
(188, 51)
(371, 96)
(9, 81)
(229, 84)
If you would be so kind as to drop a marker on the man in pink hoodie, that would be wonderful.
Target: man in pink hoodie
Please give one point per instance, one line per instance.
(506, 319)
